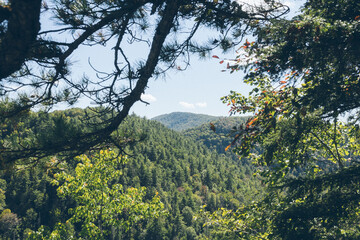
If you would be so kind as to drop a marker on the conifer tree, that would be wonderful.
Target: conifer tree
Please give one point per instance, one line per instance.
(36, 69)
(305, 119)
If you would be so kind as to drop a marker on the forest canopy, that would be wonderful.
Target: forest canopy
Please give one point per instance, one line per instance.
(302, 135)
(36, 67)
(305, 74)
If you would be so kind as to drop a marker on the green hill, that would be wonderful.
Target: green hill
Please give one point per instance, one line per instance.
(219, 139)
(180, 121)
(181, 169)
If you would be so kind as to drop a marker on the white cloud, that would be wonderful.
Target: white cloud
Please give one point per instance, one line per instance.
(252, 2)
(187, 105)
(148, 98)
(252, 5)
(263, 2)
(201, 104)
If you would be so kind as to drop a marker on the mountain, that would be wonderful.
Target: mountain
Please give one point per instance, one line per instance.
(180, 121)
(219, 139)
(177, 166)
(197, 127)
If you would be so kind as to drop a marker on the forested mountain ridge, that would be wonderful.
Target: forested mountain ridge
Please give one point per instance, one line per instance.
(220, 136)
(183, 172)
(214, 132)
(300, 60)
(183, 120)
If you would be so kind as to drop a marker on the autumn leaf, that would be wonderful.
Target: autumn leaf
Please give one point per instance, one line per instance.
(227, 148)
(214, 56)
(212, 127)
(252, 121)
(221, 62)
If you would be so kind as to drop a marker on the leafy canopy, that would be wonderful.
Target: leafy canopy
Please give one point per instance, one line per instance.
(305, 77)
(36, 67)
(101, 202)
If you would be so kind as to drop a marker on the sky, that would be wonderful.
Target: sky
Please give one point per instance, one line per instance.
(198, 89)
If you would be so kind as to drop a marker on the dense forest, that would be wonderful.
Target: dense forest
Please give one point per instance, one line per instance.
(183, 120)
(188, 176)
(288, 170)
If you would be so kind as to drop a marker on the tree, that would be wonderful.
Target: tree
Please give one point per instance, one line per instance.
(305, 73)
(19, 27)
(8, 223)
(101, 203)
(39, 71)
(31, 196)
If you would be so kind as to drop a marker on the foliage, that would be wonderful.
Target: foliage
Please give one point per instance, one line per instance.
(318, 49)
(39, 135)
(101, 203)
(185, 173)
(180, 121)
(36, 67)
(8, 224)
(247, 222)
(217, 134)
(305, 74)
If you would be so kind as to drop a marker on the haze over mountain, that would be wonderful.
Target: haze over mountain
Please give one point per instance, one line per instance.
(219, 137)
(180, 121)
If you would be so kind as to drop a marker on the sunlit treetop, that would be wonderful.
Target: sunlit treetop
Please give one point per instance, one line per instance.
(316, 51)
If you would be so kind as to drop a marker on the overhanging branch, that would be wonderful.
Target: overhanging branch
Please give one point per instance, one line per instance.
(23, 27)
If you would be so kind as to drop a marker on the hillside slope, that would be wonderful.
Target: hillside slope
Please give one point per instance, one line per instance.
(182, 120)
(219, 139)
(182, 170)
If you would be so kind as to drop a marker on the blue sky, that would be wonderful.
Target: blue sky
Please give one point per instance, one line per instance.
(197, 89)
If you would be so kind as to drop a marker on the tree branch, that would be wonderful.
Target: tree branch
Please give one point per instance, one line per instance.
(4, 13)
(80, 144)
(23, 27)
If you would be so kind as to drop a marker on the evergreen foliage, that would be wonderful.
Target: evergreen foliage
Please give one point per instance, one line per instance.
(218, 134)
(184, 173)
(305, 74)
(302, 134)
(36, 71)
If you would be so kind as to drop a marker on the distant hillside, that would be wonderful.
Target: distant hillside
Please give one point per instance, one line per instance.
(219, 139)
(180, 121)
